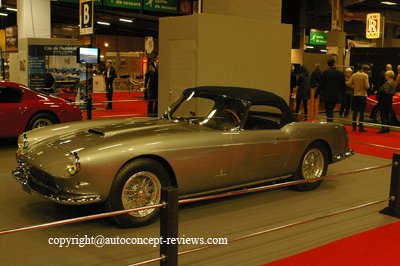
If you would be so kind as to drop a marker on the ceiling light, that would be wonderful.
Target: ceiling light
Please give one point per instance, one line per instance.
(12, 9)
(310, 47)
(3, 14)
(103, 23)
(389, 3)
(126, 20)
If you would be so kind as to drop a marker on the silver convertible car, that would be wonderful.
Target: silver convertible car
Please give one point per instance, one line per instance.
(210, 140)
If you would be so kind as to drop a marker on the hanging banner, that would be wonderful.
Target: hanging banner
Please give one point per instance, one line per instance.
(86, 17)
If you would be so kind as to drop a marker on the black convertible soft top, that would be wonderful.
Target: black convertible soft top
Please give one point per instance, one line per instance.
(257, 97)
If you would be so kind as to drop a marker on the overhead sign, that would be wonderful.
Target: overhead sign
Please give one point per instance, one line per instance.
(133, 4)
(317, 38)
(373, 26)
(86, 17)
(169, 6)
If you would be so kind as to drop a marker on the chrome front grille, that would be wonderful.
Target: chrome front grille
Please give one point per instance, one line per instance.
(42, 178)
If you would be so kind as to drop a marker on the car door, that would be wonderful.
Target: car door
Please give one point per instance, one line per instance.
(261, 148)
(10, 111)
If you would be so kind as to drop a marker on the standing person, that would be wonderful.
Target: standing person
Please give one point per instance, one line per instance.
(348, 94)
(315, 76)
(293, 79)
(382, 79)
(304, 90)
(293, 82)
(385, 100)
(360, 82)
(398, 79)
(151, 83)
(331, 88)
(109, 75)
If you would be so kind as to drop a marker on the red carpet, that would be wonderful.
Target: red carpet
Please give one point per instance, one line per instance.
(375, 247)
(384, 144)
(125, 104)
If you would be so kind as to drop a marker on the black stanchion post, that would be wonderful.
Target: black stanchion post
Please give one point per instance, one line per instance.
(394, 205)
(169, 226)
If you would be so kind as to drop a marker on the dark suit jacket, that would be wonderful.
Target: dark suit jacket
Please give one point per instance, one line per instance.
(112, 74)
(332, 86)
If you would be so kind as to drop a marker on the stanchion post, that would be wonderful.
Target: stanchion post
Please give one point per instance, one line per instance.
(394, 205)
(169, 226)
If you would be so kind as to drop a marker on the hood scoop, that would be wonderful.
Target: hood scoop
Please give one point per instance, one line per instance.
(107, 131)
(96, 132)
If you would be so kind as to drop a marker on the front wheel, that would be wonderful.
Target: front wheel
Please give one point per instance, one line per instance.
(313, 164)
(137, 184)
(376, 116)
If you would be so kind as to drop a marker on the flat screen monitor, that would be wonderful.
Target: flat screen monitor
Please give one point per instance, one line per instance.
(88, 55)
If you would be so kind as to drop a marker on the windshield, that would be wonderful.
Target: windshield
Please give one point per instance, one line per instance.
(215, 111)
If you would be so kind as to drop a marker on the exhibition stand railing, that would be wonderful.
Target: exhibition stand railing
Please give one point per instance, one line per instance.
(170, 202)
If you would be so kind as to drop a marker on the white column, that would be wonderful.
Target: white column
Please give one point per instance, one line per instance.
(33, 19)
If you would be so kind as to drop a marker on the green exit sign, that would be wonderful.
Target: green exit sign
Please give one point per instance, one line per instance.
(317, 38)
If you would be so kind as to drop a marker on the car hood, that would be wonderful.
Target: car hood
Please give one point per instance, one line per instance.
(107, 132)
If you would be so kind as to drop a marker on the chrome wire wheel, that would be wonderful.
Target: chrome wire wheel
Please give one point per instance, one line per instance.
(141, 189)
(313, 164)
(41, 122)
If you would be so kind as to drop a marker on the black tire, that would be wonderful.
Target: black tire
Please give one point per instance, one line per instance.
(137, 184)
(41, 120)
(376, 116)
(313, 164)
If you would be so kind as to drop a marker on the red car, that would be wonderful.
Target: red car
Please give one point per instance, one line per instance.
(373, 111)
(23, 109)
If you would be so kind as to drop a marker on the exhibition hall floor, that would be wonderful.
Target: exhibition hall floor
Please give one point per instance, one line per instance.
(224, 218)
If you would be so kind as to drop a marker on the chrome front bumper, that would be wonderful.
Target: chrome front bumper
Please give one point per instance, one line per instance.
(344, 155)
(21, 174)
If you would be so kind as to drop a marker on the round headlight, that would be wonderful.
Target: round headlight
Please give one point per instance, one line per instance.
(73, 164)
(22, 141)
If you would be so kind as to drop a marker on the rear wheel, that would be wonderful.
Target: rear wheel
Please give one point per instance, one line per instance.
(313, 164)
(137, 184)
(41, 120)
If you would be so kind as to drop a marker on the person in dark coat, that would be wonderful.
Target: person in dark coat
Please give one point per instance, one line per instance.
(48, 80)
(331, 88)
(385, 100)
(315, 76)
(304, 90)
(151, 91)
(382, 76)
(109, 76)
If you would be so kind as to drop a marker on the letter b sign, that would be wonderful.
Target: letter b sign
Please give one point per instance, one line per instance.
(86, 17)
(86, 14)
